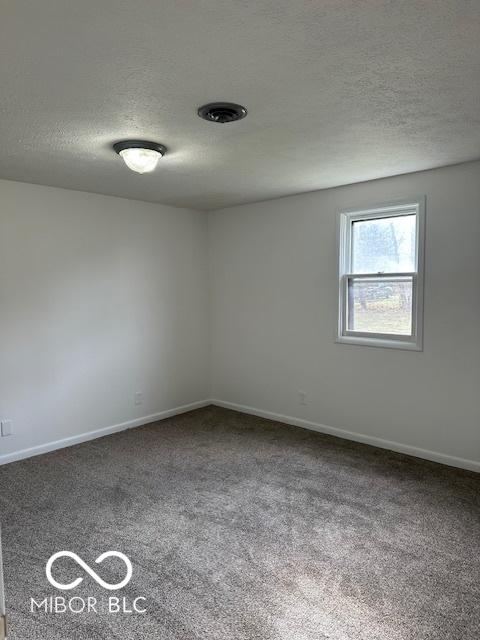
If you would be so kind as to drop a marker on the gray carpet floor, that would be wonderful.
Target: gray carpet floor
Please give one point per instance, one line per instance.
(242, 528)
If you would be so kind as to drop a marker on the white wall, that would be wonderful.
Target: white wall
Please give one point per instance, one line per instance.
(100, 297)
(274, 305)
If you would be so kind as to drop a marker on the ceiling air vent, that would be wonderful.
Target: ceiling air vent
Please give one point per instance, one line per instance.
(222, 112)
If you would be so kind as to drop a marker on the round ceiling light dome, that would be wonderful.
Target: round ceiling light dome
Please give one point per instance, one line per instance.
(140, 156)
(222, 112)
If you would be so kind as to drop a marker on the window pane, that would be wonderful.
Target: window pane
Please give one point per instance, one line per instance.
(381, 305)
(384, 244)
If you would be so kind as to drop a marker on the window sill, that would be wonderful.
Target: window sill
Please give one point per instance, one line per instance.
(380, 342)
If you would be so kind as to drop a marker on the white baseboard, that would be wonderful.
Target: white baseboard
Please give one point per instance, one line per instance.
(98, 433)
(443, 458)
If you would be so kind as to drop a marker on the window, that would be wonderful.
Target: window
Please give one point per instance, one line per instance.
(381, 275)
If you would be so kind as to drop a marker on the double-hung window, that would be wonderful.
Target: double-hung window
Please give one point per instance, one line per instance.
(381, 275)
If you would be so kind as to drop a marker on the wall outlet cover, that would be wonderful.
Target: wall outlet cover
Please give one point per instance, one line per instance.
(302, 397)
(6, 428)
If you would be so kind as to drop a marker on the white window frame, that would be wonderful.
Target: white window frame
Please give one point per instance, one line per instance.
(346, 218)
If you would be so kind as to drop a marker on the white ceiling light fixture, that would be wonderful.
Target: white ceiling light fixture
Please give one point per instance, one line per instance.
(140, 156)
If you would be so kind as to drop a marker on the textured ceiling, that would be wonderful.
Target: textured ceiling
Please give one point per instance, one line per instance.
(337, 92)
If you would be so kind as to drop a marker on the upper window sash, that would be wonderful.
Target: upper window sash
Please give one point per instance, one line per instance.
(348, 218)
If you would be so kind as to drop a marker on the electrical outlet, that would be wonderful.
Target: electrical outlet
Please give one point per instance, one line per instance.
(138, 399)
(6, 428)
(302, 397)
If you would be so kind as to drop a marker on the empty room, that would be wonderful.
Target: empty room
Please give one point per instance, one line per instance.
(239, 320)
